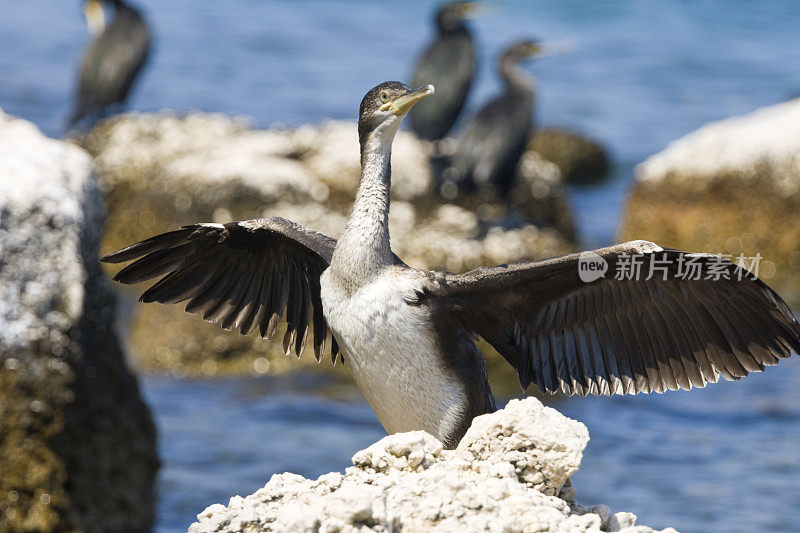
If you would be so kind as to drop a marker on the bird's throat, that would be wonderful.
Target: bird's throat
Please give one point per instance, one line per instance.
(363, 249)
(515, 78)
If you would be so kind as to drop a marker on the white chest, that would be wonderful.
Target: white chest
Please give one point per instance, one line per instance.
(388, 347)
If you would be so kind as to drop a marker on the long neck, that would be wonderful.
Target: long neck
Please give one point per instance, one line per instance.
(363, 249)
(515, 78)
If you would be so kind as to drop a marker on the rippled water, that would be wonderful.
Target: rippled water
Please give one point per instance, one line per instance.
(722, 459)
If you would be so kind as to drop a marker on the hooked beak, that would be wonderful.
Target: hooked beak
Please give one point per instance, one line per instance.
(552, 48)
(470, 9)
(95, 18)
(402, 104)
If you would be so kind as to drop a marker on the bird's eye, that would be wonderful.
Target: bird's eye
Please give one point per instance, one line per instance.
(384, 96)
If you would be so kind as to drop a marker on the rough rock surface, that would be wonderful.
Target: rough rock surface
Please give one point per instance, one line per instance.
(508, 474)
(161, 171)
(731, 187)
(578, 158)
(77, 444)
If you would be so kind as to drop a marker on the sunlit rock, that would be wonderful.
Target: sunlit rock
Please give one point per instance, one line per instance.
(731, 187)
(508, 474)
(77, 444)
(579, 159)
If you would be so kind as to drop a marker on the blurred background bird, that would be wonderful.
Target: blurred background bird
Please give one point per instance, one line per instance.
(449, 65)
(494, 141)
(112, 61)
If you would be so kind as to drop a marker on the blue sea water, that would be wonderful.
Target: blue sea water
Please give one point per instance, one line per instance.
(722, 459)
(725, 458)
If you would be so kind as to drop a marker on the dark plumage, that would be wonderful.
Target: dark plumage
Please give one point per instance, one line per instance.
(613, 336)
(243, 275)
(495, 140)
(112, 61)
(409, 335)
(449, 65)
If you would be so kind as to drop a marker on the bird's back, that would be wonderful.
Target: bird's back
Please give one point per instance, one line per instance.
(495, 140)
(448, 64)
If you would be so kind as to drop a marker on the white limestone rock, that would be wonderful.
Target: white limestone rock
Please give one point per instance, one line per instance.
(730, 187)
(504, 476)
(763, 146)
(210, 150)
(77, 451)
(44, 184)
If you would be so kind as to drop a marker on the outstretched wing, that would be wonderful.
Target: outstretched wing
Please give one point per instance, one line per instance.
(697, 317)
(242, 275)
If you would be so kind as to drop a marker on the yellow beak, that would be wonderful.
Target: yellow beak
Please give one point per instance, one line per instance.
(95, 18)
(402, 104)
(470, 9)
(552, 48)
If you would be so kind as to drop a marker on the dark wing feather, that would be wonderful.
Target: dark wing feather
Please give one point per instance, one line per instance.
(241, 275)
(622, 336)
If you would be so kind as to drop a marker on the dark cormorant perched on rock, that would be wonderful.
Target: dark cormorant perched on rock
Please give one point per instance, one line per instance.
(495, 140)
(113, 59)
(449, 64)
(408, 335)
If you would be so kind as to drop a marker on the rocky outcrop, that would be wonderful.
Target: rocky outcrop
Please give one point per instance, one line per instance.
(162, 171)
(579, 159)
(509, 473)
(77, 444)
(730, 187)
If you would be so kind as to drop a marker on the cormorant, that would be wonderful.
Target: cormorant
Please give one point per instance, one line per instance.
(113, 59)
(494, 141)
(449, 64)
(408, 335)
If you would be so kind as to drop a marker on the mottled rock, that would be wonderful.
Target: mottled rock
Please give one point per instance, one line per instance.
(730, 187)
(579, 159)
(505, 475)
(162, 171)
(77, 444)
(540, 195)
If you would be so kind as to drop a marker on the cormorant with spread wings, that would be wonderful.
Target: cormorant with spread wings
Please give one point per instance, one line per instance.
(407, 335)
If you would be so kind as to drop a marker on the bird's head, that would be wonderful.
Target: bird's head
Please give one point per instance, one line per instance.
(95, 16)
(451, 15)
(533, 48)
(522, 50)
(383, 109)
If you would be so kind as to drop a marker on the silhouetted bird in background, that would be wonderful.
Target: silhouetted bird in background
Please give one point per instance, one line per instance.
(449, 65)
(496, 138)
(113, 59)
(408, 335)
